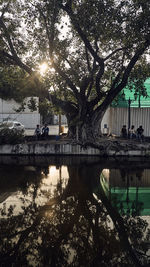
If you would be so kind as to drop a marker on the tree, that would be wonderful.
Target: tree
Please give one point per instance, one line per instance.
(91, 48)
(15, 84)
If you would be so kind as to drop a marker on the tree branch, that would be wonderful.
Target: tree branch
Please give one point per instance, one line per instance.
(14, 55)
(69, 63)
(3, 26)
(67, 79)
(90, 87)
(67, 106)
(98, 77)
(49, 36)
(114, 52)
(81, 33)
(5, 9)
(115, 90)
(15, 61)
(119, 224)
(133, 61)
(88, 46)
(87, 59)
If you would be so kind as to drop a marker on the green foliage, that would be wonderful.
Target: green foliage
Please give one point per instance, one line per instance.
(11, 136)
(138, 76)
(46, 109)
(32, 104)
(21, 108)
(15, 83)
(84, 44)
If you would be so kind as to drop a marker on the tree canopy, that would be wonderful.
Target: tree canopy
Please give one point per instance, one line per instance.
(92, 50)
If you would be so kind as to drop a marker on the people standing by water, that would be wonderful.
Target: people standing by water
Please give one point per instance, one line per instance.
(139, 132)
(45, 131)
(132, 133)
(37, 132)
(124, 131)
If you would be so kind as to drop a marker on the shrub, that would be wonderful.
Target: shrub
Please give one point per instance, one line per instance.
(11, 136)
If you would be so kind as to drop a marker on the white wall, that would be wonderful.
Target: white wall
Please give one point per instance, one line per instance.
(119, 116)
(28, 118)
(106, 120)
(10, 106)
(63, 119)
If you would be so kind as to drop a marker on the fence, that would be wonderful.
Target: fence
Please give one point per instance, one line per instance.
(119, 116)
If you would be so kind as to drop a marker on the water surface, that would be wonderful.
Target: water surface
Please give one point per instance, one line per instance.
(74, 211)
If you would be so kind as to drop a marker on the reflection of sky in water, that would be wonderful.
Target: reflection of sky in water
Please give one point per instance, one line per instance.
(75, 218)
(54, 176)
(45, 191)
(50, 182)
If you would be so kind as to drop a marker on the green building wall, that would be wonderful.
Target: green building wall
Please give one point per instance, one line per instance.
(123, 101)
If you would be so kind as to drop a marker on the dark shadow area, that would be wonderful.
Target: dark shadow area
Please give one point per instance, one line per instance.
(72, 222)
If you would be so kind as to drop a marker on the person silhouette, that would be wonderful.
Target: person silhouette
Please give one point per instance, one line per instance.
(37, 132)
(124, 131)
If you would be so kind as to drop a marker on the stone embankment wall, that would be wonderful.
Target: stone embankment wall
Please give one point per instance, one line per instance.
(72, 149)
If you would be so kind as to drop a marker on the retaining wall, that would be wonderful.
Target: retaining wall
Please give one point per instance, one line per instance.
(69, 149)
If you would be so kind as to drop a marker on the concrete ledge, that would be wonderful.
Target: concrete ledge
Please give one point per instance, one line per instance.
(69, 149)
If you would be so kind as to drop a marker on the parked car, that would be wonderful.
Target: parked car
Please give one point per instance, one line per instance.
(12, 125)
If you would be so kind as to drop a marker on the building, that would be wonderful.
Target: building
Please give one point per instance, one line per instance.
(128, 190)
(27, 117)
(129, 110)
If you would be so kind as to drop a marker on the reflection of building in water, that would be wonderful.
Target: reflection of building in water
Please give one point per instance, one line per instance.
(128, 190)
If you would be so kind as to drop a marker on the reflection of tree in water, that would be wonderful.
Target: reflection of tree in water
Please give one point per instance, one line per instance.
(19, 177)
(128, 176)
(74, 228)
(125, 172)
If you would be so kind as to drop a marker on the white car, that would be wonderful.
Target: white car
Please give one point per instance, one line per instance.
(12, 125)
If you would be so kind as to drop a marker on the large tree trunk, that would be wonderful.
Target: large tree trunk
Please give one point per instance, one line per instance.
(84, 123)
(87, 130)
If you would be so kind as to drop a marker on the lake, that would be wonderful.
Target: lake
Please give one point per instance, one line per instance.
(74, 211)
